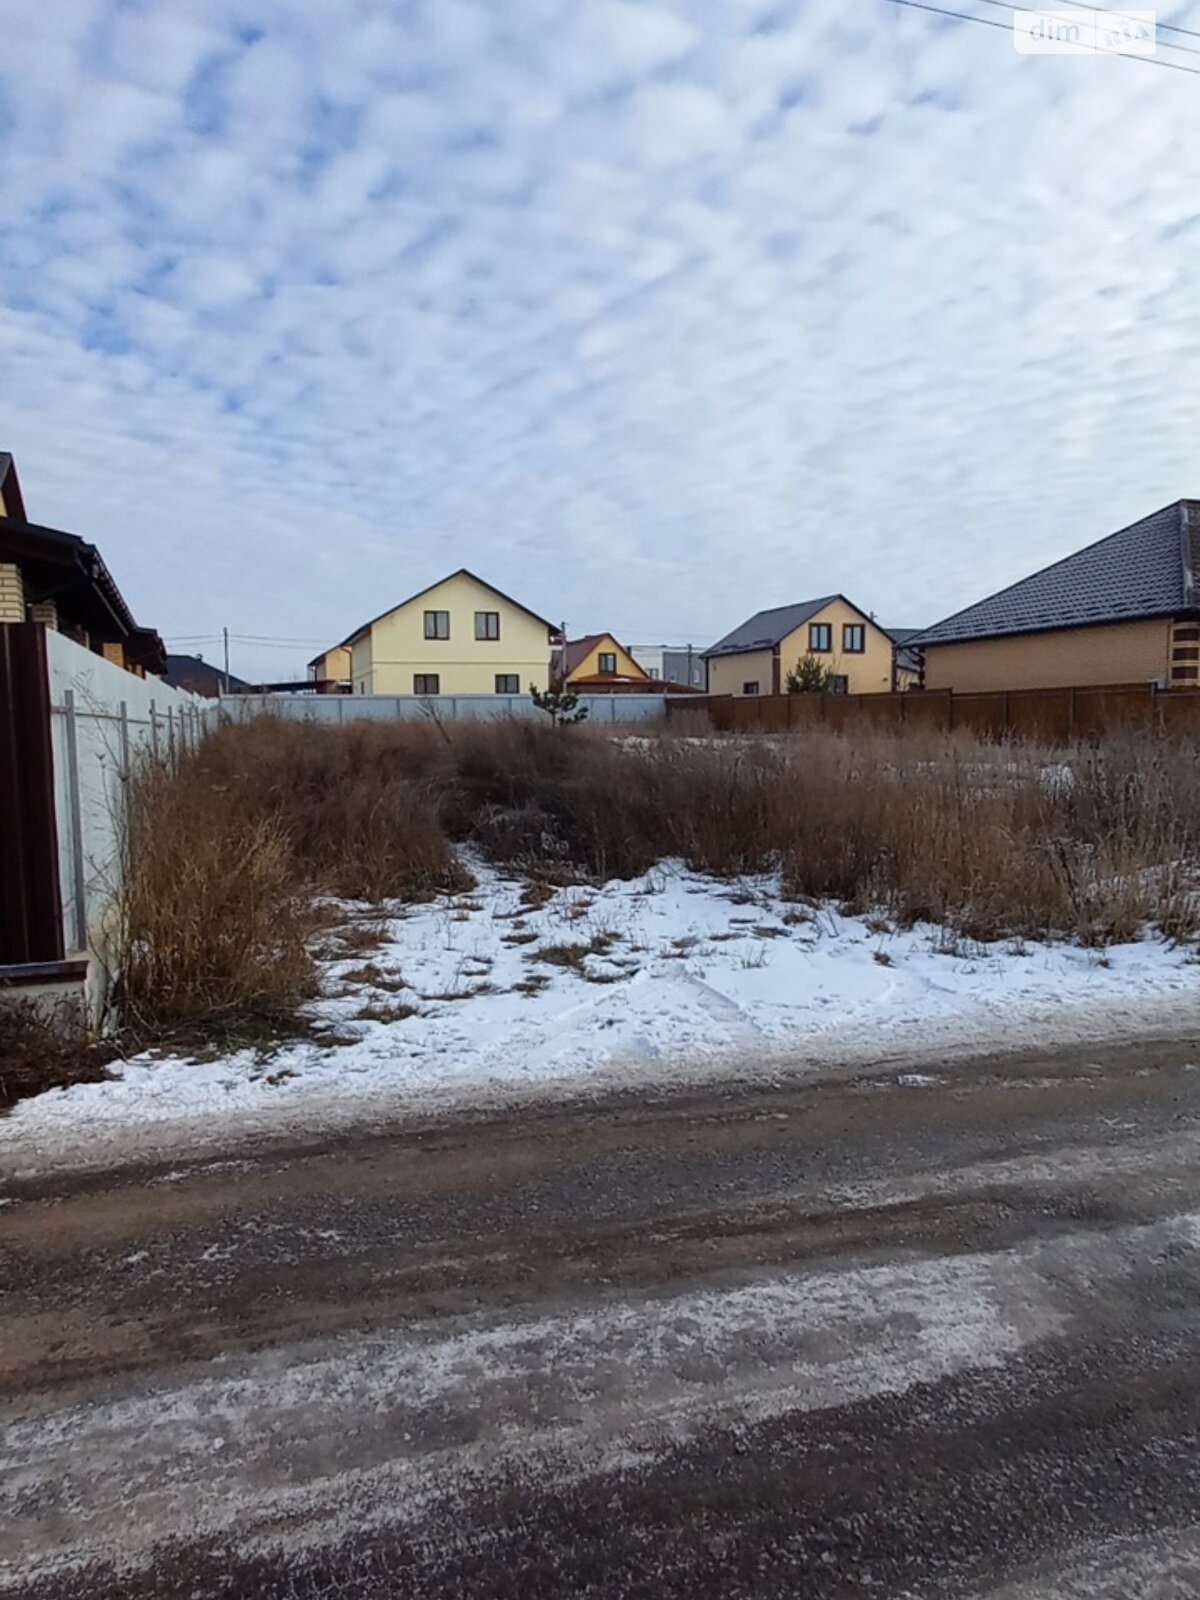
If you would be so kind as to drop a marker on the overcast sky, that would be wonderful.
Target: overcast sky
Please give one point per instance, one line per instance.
(652, 314)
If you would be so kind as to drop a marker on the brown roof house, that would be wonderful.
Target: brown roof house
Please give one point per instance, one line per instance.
(61, 580)
(599, 662)
(1123, 610)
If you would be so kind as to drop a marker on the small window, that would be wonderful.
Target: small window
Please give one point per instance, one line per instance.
(508, 683)
(487, 624)
(427, 683)
(608, 661)
(750, 688)
(838, 683)
(854, 638)
(820, 638)
(437, 624)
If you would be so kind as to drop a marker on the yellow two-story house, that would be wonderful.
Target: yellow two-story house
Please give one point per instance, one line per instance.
(459, 636)
(757, 657)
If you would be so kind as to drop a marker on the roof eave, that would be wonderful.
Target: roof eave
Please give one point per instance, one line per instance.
(1150, 615)
(459, 572)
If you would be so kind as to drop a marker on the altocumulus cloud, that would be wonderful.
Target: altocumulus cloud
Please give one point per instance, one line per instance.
(656, 312)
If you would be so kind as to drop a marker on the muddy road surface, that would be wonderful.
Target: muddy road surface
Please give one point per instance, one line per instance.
(928, 1334)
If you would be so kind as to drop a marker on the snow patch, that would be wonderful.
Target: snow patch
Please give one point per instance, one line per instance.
(669, 975)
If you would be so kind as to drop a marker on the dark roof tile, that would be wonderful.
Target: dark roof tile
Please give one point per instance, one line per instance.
(765, 629)
(1145, 570)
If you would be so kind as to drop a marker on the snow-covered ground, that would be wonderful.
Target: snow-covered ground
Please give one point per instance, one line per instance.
(668, 975)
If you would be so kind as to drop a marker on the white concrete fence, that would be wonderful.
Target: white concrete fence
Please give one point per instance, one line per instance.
(602, 708)
(103, 718)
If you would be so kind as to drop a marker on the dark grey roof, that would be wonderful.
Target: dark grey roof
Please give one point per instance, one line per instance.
(902, 635)
(765, 629)
(198, 675)
(1145, 570)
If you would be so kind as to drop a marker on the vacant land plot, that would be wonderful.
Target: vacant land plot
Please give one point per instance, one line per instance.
(389, 906)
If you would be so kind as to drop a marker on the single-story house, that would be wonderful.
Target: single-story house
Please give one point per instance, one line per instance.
(198, 676)
(597, 662)
(757, 656)
(908, 659)
(457, 636)
(61, 581)
(1123, 610)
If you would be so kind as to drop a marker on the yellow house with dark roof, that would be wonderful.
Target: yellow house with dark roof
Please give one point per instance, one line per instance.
(1123, 610)
(757, 656)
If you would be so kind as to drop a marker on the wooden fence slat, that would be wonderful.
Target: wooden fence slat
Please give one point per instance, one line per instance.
(1049, 715)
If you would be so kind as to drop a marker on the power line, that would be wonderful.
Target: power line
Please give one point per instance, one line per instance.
(962, 16)
(987, 22)
(245, 638)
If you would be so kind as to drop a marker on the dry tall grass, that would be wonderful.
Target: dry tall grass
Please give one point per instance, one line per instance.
(991, 840)
(213, 925)
(43, 1047)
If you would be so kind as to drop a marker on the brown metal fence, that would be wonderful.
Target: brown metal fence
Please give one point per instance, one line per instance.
(1055, 716)
(30, 910)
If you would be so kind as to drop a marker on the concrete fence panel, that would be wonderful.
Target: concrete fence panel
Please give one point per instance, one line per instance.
(102, 719)
(331, 708)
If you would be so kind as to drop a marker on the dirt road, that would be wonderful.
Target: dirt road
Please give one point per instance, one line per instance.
(936, 1334)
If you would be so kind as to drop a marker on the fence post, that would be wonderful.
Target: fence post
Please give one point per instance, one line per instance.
(949, 710)
(74, 799)
(172, 753)
(154, 730)
(124, 739)
(1071, 714)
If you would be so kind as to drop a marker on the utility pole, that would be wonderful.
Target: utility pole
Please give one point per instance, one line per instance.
(225, 635)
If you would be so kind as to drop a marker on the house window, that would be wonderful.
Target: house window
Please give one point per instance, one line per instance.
(487, 624)
(427, 683)
(437, 624)
(508, 683)
(820, 638)
(750, 688)
(839, 683)
(854, 638)
(608, 661)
